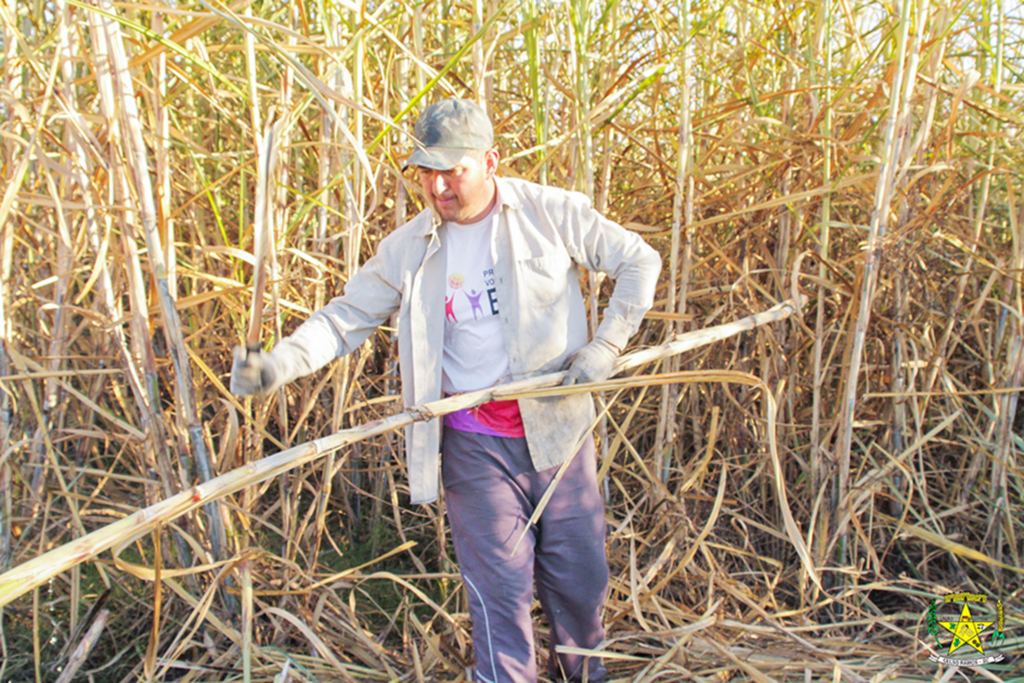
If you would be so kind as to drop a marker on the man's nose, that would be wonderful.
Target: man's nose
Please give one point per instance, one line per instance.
(439, 184)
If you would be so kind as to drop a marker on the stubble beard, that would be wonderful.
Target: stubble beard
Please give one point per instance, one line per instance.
(453, 212)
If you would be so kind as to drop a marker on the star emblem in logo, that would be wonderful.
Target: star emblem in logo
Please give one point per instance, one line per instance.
(966, 631)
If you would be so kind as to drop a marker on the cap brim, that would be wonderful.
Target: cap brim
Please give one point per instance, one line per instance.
(437, 158)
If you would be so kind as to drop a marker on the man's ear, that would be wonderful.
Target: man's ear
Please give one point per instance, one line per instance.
(491, 157)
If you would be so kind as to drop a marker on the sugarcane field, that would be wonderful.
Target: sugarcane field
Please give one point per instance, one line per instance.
(746, 324)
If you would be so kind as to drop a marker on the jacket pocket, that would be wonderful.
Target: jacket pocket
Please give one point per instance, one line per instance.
(545, 278)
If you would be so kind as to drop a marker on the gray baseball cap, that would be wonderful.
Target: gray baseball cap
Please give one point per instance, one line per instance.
(446, 130)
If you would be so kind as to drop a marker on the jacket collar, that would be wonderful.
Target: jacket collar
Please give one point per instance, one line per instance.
(507, 196)
(427, 222)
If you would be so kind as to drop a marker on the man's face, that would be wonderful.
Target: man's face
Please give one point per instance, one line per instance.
(463, 194)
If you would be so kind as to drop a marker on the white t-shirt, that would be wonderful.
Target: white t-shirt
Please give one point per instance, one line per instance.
(474, 351)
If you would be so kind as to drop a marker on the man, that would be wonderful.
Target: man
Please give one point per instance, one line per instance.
(486, 285)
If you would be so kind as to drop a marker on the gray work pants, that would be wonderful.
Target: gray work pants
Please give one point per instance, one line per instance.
(491, 490)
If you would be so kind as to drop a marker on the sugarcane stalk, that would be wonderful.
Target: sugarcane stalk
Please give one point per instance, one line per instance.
(326, 169)
(13, 182)
(250, 70)
(161, 157)
(876, 232)
(278, 199)
(245, 568)
(141, 380)
(479, 69)
(531, 39)
(818, 463)
(65, 263)
(12, 83)
(1013, 371)
(267, 145)
(585, 167)
(1013, 378)
(682, 217)
(149, 661)
(84, 647)
(33, 573)
(354, 203)
(135, 150)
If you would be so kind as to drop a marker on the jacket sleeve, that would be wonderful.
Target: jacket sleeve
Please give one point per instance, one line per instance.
(603, 245)
(342, 325)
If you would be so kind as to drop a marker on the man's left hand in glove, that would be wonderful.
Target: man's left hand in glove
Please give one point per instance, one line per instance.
(592, 363)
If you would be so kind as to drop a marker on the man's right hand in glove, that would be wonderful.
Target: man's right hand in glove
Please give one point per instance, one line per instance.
(254, 372)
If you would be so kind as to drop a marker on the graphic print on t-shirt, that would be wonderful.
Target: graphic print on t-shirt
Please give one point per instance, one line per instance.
(456, 286)
(474, 348)
(455, 281)
(474, 301)
(474, 352)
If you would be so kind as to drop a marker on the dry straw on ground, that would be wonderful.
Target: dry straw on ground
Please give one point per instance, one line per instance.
(867, 156)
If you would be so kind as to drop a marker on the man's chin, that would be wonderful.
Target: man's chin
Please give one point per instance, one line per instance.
(447, 214)
(451, 215)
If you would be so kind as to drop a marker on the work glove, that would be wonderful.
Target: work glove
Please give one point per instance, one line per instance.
(254, 372)
(592, 363)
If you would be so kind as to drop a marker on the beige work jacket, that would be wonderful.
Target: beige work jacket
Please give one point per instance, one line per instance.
(541, 237)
